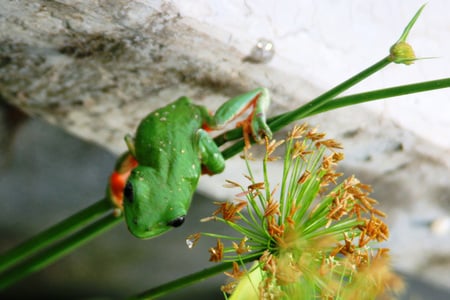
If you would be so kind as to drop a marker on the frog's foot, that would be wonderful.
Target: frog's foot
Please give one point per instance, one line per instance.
(211, 159)
(255, 124)
(258, 101)
(256, 127)
(259, 127)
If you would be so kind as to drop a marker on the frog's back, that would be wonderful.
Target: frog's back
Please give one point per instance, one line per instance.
(166, 139)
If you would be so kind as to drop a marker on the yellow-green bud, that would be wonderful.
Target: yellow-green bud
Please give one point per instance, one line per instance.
(402, 53)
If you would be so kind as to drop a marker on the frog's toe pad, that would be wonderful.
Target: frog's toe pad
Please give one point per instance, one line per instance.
(260, 130)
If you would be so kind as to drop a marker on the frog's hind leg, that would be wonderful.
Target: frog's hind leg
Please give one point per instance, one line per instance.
(210, 155)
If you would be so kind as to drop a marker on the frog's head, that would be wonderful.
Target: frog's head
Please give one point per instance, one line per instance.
(150, 205)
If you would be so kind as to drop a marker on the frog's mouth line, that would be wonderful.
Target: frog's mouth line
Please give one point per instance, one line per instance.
(152, 232)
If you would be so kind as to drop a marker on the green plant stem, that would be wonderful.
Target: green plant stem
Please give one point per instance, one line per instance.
(43, 239)
(49, 255)
(306, 109)
(326, 97)
(187, 280)
(381, 94)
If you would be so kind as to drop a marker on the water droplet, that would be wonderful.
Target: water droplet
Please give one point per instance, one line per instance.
(192, 240)
(262, 52)
(190, 243)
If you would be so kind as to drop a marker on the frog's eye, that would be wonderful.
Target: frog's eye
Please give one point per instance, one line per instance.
(177, 222)
(128, 192)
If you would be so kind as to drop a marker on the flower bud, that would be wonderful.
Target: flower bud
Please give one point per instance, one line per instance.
(402, 53)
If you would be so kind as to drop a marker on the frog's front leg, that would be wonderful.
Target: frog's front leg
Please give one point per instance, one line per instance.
(258, 99)
(210, 155)
(129, 140)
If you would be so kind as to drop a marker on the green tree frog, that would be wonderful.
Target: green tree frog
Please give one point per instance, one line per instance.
(155, 180)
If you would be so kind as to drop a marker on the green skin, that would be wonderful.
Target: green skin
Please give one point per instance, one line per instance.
(171, 148)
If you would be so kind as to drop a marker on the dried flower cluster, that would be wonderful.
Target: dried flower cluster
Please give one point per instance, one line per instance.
(311, 239)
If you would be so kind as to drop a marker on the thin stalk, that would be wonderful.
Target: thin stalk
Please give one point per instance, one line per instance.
(306, 109)
(383, 93)
(187, 280)
(49, 255)
(328, 96)
(43, 239)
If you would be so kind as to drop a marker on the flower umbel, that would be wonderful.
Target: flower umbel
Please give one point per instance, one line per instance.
(313, 237)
